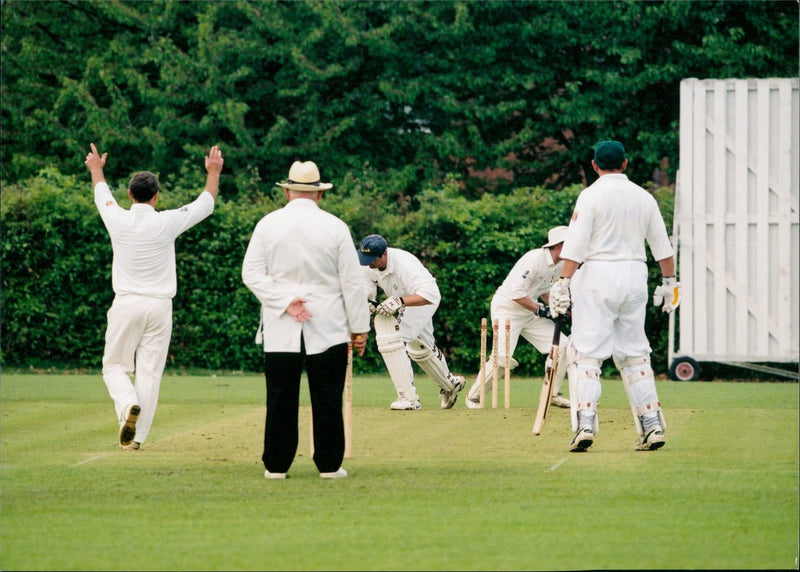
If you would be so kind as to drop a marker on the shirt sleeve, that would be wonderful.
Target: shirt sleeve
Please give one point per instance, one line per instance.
(106, 203)
(185, 217)
(657, 237)
(256, 276)
(421, 281)
(579, 231)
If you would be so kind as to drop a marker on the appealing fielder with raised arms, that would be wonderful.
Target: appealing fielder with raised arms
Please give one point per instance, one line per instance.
(301, 266)
(610, 224)
(404, 321)
(517, 300)
(144, 281)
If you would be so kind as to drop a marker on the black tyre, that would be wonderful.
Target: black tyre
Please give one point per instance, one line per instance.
(685, 369)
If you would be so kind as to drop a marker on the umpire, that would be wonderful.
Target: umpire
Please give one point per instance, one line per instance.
(302, 267)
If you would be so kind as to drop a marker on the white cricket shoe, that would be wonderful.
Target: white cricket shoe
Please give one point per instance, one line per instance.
(340, 474)
(132, 446)
(559, 401)
(403, 404)
(449, 397)
(653, 439)
(127, 427)
(472, 404)
(268, 475)
(583, 440)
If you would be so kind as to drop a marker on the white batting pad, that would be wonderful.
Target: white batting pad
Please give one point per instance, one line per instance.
(393, 351)
(433, 363)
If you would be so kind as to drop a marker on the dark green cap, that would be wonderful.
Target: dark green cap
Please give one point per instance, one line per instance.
(609, 154)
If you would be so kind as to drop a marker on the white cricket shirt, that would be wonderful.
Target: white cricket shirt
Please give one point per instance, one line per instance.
(612, 220)
(405, 275)
(532, 275)
(143, 241)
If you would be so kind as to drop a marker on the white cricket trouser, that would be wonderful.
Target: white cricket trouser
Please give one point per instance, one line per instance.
(537, 330)
(416, 323)
(137, 339)
(609, 300)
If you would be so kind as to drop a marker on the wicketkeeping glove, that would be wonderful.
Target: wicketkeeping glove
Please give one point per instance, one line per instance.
(668, 294)
(390, 306)
(559, 297)
(543, 311)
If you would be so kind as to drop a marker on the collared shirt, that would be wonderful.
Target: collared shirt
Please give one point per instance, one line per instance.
(612, 220)
(143, 241)
(532, 275)
(303, 251)
(405, 275)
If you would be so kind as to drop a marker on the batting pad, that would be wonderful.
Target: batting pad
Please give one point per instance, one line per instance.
(640, 386)
(393, 351)
(432, 362)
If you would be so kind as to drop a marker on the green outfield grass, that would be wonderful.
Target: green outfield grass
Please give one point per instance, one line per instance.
(428, 490)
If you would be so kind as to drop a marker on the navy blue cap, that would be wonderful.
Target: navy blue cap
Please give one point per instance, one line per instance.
(371, 248)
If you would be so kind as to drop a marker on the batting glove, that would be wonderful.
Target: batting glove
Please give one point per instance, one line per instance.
(543, 311)
(668, 295)
(390, 306)
(372, 305)
(559, 297)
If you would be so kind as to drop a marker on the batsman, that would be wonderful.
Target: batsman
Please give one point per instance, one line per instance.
(404, 321)
(612, 220)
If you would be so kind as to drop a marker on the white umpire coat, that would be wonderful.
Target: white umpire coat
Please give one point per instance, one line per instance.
(405, 275)
(303, 251)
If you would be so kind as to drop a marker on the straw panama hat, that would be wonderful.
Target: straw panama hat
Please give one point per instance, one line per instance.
(304, 176)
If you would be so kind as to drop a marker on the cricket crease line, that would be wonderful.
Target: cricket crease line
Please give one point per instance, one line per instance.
(90, 459)
(557, 465)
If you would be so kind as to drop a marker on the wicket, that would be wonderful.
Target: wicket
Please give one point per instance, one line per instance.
(507, 371)
(483, 362)
(495, 364)
(347, 411)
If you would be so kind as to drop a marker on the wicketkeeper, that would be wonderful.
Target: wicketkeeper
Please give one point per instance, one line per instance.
(517, 300)
(404, 321)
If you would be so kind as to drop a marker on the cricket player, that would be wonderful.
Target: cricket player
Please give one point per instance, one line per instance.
(404, 321)
(610, 224)
(517, 300)
(144, 280)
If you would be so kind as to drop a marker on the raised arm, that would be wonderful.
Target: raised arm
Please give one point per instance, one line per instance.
(213, 168)
(95, 163)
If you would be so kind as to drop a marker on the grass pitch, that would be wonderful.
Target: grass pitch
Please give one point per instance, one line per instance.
(428, 490)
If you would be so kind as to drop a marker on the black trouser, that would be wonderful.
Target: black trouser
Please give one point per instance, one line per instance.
(326, 373)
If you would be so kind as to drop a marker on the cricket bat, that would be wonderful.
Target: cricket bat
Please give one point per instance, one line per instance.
(547, 384)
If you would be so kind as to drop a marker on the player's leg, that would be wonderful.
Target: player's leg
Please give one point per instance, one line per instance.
(433, 363)
(593, 316)
(151, 357)
(282, 373)
(326, 372)
(126, 323)
(640, 386)
(587, 395)
(632, 357)
(393, 351)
